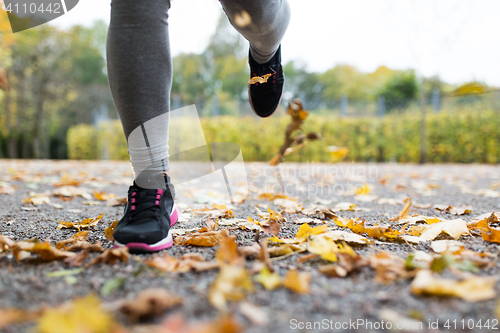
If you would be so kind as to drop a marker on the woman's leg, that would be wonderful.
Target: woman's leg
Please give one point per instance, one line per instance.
(140, 77)
(269, 21)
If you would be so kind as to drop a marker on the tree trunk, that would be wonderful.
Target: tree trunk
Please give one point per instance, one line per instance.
(37, 133)
(10, 134)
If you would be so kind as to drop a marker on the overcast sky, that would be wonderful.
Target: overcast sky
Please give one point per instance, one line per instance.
(457, 39)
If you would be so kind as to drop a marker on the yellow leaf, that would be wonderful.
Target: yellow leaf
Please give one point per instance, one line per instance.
(108, 232)
(81, 315)
(86, 223)
(297, 282)
(269, 280)
(472, 289)
(232, 284)
(305, 231)
(364, 190)
(338, 153)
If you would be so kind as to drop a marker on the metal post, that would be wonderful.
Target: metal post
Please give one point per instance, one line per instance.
(436, 100)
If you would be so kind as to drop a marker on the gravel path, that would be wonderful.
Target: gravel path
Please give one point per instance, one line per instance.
(358, 296)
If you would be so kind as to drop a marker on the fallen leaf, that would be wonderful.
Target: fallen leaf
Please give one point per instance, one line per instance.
(288, 206)
(320, 210)
(207, 239)
(254, 314)
(108, 232)
(403, 214)
(305, 231)
(250, 250)
(232, 284)
(473, 289)
(286, 249)
(148, 304)
(268, 279)
(6, 243)
(388, 267)
(111, 256)
(83, 315)
(297, 281)
(363, 190)
(86, 223)
(228, 251)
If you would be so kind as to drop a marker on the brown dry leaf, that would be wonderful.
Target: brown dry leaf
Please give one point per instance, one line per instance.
(388, 267)
(228, 251)
(67, 180)
(307, 257)
(186, 263)
(209, 239)
(101, 196)
(250, 250)
(232, 284)
(210, 226)
(77, 260)
(264, 256)
(403, 214)
(347, 263)
(119, 201)
(148, 304)
(223, 324)
(78, 237)
(271, 226)
(323, 211)
(297, 281)
(13, 316)
(473, 289)
(108, 232)
(111, 256)
(48, 253)
(86, 223)
(327, 248)
(6, 243)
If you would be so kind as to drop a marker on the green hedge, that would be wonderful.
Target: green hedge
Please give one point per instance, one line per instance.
(460, 137)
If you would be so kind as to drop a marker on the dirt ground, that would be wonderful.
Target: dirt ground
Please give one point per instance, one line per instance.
(336, 302)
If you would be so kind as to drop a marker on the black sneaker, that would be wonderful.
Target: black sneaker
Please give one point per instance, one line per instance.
(145, 226)
(265, 87)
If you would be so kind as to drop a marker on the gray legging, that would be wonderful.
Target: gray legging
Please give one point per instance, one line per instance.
(140, 65)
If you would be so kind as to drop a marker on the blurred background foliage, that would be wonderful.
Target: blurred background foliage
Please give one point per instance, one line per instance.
(58, 104)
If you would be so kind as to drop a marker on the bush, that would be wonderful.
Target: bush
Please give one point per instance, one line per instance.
(465, 137)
